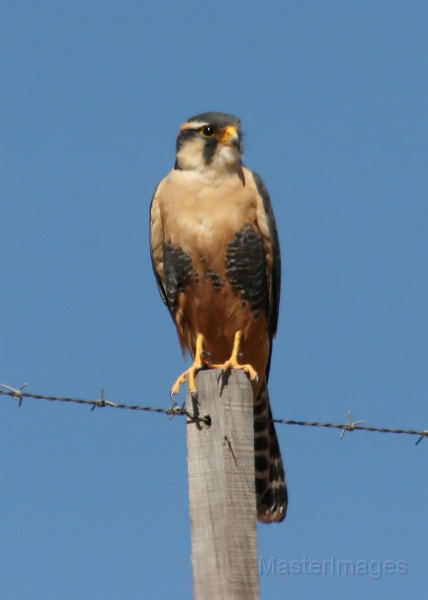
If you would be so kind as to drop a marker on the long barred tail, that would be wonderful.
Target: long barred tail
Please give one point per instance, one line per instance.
(271, 490)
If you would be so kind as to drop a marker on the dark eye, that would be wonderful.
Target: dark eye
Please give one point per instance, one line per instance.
(208, 131)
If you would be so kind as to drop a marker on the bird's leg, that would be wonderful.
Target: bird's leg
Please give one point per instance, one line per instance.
(233, 362)
(198, 363)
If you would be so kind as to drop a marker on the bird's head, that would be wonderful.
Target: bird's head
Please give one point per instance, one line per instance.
(210, 143)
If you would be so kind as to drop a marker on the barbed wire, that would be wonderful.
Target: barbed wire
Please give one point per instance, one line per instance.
(19, 395)
(176, 410)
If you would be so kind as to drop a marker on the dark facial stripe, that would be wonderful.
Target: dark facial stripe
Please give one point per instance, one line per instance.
(210, 149)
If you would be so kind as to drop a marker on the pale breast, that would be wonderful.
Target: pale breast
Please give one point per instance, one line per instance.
(200, 217)
(214, 260)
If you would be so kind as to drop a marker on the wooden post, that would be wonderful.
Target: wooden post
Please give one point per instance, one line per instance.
(222, 490)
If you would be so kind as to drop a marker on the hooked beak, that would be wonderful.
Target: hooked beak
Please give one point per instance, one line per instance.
(230, 137)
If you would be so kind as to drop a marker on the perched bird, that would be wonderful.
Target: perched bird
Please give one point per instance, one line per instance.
(215, 254)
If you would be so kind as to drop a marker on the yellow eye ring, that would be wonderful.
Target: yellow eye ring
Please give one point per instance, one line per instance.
(208, 131)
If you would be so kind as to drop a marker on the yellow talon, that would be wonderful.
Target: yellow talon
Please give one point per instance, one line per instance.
(202, 359)
(198, 363)
(233, 362)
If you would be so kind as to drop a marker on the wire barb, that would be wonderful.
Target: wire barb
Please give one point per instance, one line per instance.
(101, 402)
(175, 410)
(15, 393)
(424, 434)
(350, 426)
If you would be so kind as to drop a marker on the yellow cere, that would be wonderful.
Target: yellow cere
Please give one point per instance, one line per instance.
(229, 133)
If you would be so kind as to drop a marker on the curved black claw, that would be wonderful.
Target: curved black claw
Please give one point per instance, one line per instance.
(207, 355)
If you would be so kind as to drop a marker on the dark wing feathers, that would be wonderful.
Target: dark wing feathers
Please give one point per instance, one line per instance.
(275, 283)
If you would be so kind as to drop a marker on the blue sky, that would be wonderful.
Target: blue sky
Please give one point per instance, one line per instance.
(332, 96)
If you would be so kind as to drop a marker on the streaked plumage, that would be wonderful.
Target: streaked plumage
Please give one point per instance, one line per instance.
(216, 258)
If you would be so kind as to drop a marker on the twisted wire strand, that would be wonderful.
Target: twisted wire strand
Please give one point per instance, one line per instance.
(101, 402)
(174, 410)
(350, 427)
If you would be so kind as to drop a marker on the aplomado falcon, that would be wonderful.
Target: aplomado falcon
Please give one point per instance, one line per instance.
(215, 254)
